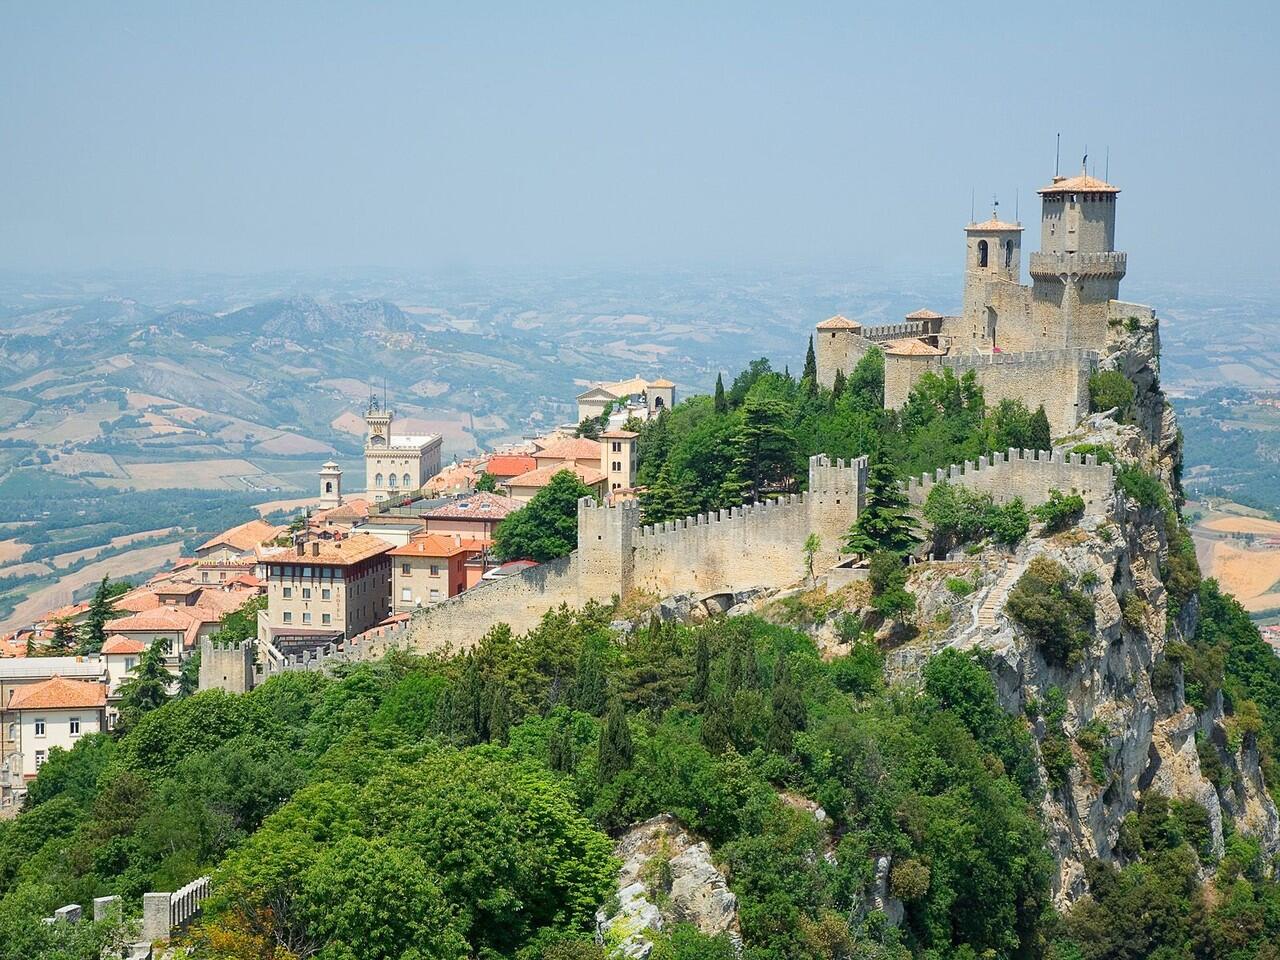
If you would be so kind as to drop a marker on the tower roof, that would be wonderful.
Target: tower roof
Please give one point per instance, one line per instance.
(1081, 184)
(839, 323)
(993, 226)
(925, 314)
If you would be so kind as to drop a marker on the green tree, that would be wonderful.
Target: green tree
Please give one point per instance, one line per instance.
(787, 715)
(812, 544)
(486, 482)
(616, 748)
(1111, 389)
(809, 376)
(101, 609)
(889, 595)
(64, 638)
(1040, 438)
(547, 526)
(764, 447)
(701, 669)
(838, 385)
(146, 688)
(884, 524)
(721, 404)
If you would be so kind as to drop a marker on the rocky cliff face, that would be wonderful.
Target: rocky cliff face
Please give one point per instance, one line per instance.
(1130, 703)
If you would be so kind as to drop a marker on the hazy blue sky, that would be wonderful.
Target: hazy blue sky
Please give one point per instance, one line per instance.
(264, 135)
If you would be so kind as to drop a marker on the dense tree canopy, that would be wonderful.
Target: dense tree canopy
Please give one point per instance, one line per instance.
(547, 526)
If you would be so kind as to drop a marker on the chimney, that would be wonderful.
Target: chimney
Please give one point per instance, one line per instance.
(315, 548)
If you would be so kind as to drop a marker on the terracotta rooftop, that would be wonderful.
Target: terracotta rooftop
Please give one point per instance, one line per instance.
(510, 464)
(993, 225)
(119, 644)
(341, 553)
(664, 383)
(1080, 184)
(58, 693)
(136, 601)
(569, 448)
(355, 509)
(244, 537)
(911, 347)
(839, 323)
(159, 619)
(925, 314)
(478, 506)
(619, 435)
(627, 388)
(438, 545)
(542, 476)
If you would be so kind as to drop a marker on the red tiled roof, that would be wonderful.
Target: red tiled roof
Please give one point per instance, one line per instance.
(568, 448)
(244, 537)
(1081, 184)
(478, 506)
(345, 552)
(119, 644)
(839, 323)
(59, 693)
(542, 476)
(510, 464)
(439, 545)
(619, 435)
(925, 314)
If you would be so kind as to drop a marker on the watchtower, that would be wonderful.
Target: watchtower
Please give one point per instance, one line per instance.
(330, 486)
(837, 345)
(1077, 272)
(993, 254)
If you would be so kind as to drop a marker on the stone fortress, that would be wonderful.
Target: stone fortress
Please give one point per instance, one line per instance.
(1036, 343)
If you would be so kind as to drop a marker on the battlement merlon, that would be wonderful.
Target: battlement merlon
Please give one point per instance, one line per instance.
(1111, 264)
(1065, 356)
(1029, 474)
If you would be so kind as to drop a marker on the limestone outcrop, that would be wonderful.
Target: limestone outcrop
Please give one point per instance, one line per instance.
(667, 877)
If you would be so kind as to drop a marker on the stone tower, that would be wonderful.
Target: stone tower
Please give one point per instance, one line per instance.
(1077, 271)
(837, 345)
(993, 258)
(330, 486)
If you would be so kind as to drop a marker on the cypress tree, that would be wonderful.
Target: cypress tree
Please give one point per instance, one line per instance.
(616, 748)
(1039, 436)
(750, 664)
(788, 714)
(810, 374)
(499, 720)
(838, 385)
(721, 403)
(560, 747)
(701, 669)
(715, 726)
(733, 671)
(589, 687)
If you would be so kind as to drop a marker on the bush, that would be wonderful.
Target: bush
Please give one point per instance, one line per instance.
(1059, 511)
(1141, 486)
(860, 672)
(959, 516)
(1133, 611)
(909, 880)
(1093, 741)
(960, 586)
(1110, 389)
(889, 594)
(1052, 611)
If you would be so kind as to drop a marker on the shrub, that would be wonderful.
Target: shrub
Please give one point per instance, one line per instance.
(1110, 389)
(1141, 486)
(860, 672)
(1059, 511)
(1093, 741)
(889, 595)
(909, 880)
(1052, 611)
(960, 586)
(958, 516)
(1133, 611)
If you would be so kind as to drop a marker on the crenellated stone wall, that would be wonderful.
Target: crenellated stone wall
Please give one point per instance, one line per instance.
(1029, 474)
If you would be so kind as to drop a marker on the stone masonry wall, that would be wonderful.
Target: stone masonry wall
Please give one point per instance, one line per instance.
(1029, 474)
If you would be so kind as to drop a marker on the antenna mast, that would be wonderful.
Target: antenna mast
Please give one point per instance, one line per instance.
(1016, 218)
(971, 193)
(1106, 170)
(1057, 154)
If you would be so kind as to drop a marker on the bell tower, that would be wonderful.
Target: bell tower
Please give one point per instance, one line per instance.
(330, 486)
(993, 256)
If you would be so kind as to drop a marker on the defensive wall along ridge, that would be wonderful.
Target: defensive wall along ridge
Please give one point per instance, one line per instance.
(1056, 379)
(1029, 474)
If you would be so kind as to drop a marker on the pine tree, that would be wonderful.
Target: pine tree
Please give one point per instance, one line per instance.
(715, 726)
(146, 688)
(788, 714)
(809, 377)
(733, 670)
(884, 524)
(701, 669)
(1040, 438)
(64, 638)
(764, 447)
(721, 402)
(616, 749)
(838, 385)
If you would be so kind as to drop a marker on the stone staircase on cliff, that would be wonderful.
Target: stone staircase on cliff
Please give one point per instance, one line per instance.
(996, 596)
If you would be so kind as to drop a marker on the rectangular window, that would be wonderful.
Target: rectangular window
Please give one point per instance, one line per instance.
(435, 594)
(40, 755)
(306, 617)
(405, 595)
(129, 663)
(326, 594)
(75, 726)
(435, 570)
(404, 569)
(306, 573)
(306, 593)
(222, 575)
(39, 725)
(204, 576)
(617, 447)
(287, 617)
(288, 592)
(325, 619)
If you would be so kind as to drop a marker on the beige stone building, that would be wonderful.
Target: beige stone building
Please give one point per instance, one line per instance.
(54, 713)
(1038, 342)
(396, 464)
(340, 587)
(619, 459)
(433, 568)
(634, 397)
(238, 542)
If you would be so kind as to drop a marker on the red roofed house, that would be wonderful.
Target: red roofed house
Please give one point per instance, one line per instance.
(239, 541)
(432, 568)
(121, 654)
(473, 518)
(55, 713)
(504, 466)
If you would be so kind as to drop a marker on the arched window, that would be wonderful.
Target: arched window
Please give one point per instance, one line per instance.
(406, 480)
(377, 479)
(982, 253)
(1008, 254)
(391, 480)
(657, 403)
(328, 486)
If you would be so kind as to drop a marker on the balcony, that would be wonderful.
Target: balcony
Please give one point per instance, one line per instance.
(1110, 264)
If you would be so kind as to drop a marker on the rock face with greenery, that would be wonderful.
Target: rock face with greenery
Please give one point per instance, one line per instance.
(1059, 743)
